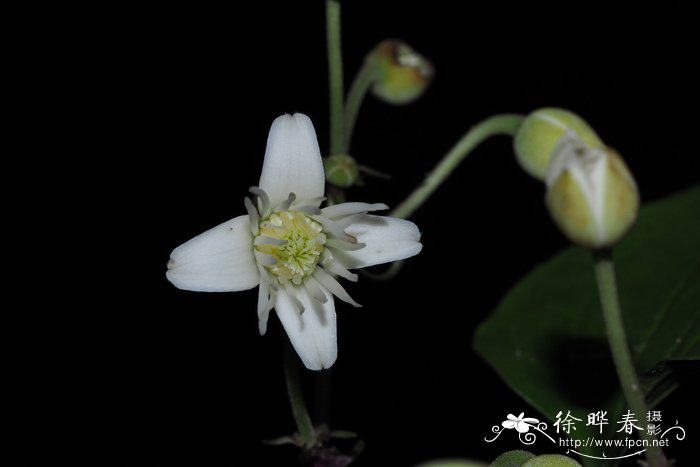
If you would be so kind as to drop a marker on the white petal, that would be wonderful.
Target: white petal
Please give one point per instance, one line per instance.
(522, 427)
(218, 260)
(346, 209)
(386, 239)
(292, 160)
(509, 424)
(312, 333)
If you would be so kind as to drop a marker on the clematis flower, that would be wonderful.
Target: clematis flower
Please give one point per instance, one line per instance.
(522, 425)
(290, 248)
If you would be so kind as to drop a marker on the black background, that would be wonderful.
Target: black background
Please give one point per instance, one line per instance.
(155, 126)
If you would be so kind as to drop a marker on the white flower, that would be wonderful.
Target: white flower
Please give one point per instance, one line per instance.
(522, 425)
(292, 249)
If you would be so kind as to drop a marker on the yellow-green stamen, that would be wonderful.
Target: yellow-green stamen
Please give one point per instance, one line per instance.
(297, 242)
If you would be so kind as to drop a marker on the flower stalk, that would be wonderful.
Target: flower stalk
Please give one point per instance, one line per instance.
(396, 74)
(612, 315)
(358, 90)
(505, 124)
(335, 74)
(296, 397)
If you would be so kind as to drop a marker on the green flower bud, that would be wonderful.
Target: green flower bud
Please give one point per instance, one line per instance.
(402, 74)
(539, 134)
(551, 460)
(591, 193)
(341, 170)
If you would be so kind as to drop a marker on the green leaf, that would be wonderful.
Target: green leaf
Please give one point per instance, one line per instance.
(546, 338)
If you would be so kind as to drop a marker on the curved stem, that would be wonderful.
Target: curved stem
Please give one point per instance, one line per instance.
(296, 396)
(360, 85)
(506, 124)
(612, 315)
(335, 74)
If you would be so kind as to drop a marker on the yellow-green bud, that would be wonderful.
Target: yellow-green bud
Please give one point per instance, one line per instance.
(551, 460)
(539, 134)
(591, 193)
(341, 170)
(402, 74)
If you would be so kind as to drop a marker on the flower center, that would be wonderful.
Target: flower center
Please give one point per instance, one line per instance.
(295, 241)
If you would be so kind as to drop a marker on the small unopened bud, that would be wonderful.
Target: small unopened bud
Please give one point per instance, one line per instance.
(540, 133)
(591, 193)
(402, 74)
(341, 170)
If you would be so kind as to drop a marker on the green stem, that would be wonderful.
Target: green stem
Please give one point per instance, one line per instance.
(335, 74)
(296, 397)
(612, 315)
(506, 124)
(360, 85)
